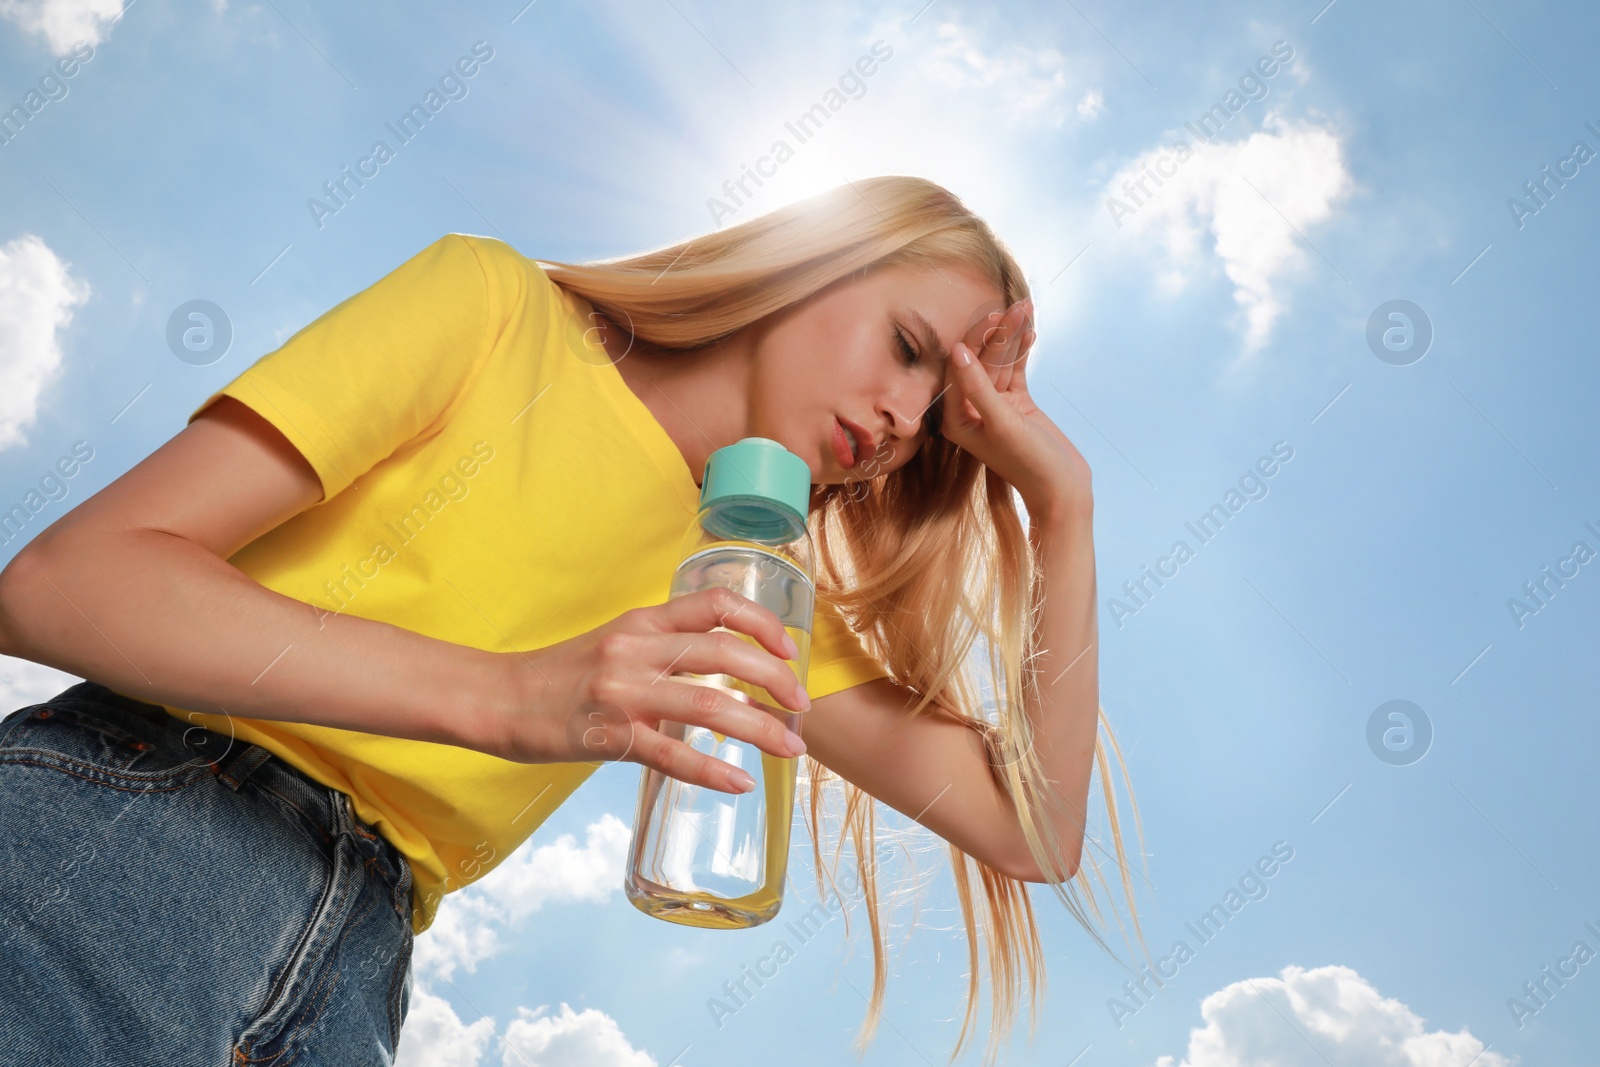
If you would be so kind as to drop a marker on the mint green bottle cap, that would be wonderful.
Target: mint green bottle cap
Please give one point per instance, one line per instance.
(766, 487)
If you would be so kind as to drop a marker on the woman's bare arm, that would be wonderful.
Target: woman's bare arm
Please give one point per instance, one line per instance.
(930, 768)
(936, 770)
(132, 589)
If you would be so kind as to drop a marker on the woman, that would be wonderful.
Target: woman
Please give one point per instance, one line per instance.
(350, 631)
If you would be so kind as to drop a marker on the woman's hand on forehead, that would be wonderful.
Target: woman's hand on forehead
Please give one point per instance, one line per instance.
(1000, 339)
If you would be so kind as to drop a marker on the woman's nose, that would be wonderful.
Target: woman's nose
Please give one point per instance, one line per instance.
(902, 413)
(908, 414)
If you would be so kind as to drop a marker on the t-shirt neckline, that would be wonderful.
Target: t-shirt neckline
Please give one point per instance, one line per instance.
(636, 414)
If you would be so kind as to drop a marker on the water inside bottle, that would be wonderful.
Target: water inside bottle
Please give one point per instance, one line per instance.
(709, 855)
(769, 580)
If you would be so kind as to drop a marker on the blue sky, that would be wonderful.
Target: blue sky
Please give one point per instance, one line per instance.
(1184, 333)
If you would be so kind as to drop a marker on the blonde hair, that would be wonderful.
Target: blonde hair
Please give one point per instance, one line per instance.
(924, 558)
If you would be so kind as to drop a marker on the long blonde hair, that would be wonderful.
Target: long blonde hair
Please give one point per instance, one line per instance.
(923, 559)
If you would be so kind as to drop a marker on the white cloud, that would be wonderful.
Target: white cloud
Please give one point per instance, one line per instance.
(62, 23)
(562, 871)
(467, 927)
(589, 1038)
(37, 295)
(24, 683)
(467, 930)
(1322, 1017)
(1091, 106)
(463, 933)
(434, 1036)
(1018, 81)
(1299, 175)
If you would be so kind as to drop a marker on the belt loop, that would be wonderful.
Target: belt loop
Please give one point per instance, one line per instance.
(239, 762)
(350, 821)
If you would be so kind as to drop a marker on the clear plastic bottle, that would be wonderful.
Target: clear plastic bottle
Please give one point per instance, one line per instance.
(700, 856)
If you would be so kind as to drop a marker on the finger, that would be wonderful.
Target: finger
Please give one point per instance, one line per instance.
(993, 350)
(1002, 352)
(979, 399)
(993, 334)
(721, 653)
(722, 711)
(1014, 322)
(956, 406)
(1025, 336)
(999, 336)
(1006, 363)
(1028, 340)
(675, 759)
(721, 606)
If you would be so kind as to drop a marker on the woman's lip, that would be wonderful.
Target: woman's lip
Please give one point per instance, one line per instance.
(841, 447)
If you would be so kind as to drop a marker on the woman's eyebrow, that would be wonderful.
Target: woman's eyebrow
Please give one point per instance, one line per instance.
(930, 338)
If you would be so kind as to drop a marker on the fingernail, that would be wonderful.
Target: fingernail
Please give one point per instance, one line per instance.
(741, 781)
(797, 747)
(805, 697)
(789, 647)
(963, 355)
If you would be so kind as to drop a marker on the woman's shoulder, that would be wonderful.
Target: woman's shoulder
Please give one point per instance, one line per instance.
(499, 260)
(508, 274)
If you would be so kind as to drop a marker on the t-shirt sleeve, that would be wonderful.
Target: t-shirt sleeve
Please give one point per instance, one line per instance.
(380, 368)
(839, 660)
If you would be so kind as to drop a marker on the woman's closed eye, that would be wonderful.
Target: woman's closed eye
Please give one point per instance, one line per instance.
(913, 359)
(906, 349)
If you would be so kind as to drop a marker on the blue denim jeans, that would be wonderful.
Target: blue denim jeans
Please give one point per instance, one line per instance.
(170, 895)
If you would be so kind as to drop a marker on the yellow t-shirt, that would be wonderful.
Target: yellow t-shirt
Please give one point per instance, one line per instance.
(465, 427)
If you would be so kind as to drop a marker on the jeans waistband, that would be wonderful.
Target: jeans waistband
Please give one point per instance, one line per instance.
(235, 761)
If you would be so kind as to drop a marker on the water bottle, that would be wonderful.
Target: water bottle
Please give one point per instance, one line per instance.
(700, 856)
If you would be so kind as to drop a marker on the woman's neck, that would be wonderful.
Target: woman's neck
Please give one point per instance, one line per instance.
(699, 396)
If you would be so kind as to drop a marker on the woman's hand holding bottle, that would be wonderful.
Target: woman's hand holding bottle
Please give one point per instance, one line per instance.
(600, 695)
